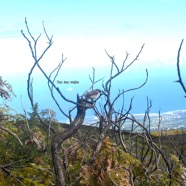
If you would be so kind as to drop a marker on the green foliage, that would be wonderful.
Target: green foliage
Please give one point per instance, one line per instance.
(110, 167)
(5, 115)
(24, 165)
(30, 165)
(48, 114)
(5, 89)
(29, 175)
(177, 170)
(34, 113)
(167, 133)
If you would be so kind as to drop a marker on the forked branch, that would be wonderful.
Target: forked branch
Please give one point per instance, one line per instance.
(33, 48)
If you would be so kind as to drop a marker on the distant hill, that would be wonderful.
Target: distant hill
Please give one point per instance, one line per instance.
(169, 120)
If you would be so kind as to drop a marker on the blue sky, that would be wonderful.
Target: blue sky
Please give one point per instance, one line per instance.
(84, 29)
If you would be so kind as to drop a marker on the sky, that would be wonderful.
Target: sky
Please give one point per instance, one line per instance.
(82, 30)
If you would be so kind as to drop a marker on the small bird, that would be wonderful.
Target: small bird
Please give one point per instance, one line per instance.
(93, 95)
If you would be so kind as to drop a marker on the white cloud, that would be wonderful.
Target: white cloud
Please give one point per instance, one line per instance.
(69, 89)
(86, 53)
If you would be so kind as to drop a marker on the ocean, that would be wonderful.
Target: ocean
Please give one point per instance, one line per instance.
(165, 94)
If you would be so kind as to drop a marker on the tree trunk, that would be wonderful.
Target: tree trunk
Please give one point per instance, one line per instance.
(59, 138)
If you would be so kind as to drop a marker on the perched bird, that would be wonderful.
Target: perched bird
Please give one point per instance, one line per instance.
(93, 95)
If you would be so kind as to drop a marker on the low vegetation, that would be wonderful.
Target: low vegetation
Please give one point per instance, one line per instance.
(31, 162)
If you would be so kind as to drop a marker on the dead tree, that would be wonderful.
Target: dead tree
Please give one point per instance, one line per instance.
(149, 153)
(81, 104)
(107, 114)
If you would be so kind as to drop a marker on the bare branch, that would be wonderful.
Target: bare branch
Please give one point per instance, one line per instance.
(178, 69)
(136, 88)
(49, 39)
(51, 86)
(12, 134)
(36, 62)
(135, 59)
(25, 114)
(126, 57)
(113, 64)
(112, 60)
(92, 79)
